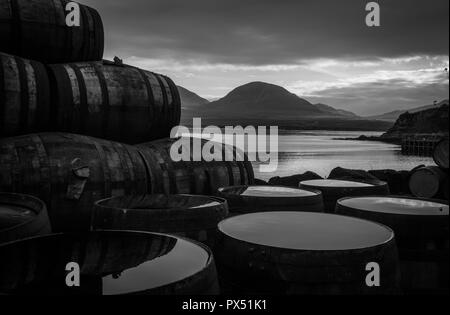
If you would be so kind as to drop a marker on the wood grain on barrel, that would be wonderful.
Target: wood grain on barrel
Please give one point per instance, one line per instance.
(421, 228)
(37, 29)
(24, 96)
(46, 166)
(193, 177)
(195, 217)
(304, 253)
(113, 102)
(71, 172)
(428, 182)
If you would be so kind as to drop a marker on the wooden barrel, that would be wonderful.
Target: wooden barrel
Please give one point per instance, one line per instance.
(22, 216)
(37, 29)
(333, 190)
(422, 232)
(193, 175)
(112, 262)
(195, 217)
(24, 96)
(440, 154)
(398, 181)
(70, 173)
(113, 102)
(304, 253)
(251, 199)
(427, 182)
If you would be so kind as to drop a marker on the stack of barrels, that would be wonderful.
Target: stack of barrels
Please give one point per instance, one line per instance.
(85, 155)
(84, 147)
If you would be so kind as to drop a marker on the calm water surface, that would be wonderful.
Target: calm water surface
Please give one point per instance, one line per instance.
(320, 152)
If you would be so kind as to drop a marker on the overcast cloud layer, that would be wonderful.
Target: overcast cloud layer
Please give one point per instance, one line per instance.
(321, 50)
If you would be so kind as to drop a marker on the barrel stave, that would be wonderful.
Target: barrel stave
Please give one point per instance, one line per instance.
(37, 30)
(103, 99)
(24, 96)
(423, 243)
(195, 217)
(46, 166)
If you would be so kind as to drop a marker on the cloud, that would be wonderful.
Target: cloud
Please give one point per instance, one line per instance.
(319, 49)
(269, 32)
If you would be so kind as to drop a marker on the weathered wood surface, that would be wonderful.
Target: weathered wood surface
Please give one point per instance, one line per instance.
(71, 172)
(99, 99)
(37, 29)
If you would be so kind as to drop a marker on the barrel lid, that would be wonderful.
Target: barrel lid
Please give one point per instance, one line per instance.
(122, 262)
(183, 261)
(397, 205)
(159, 202)
(267, 192)
(335, 183)
(306, 231)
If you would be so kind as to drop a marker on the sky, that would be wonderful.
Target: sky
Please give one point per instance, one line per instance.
(321, 50)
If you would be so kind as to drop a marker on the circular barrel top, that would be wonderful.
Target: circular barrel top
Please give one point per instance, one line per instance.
(183, 261)
(397, 205)
(160, 202)
(306, 231)
(123, 262)
(267, 192)
(332, 183)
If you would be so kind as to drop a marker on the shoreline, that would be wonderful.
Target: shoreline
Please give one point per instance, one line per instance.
(374, 139)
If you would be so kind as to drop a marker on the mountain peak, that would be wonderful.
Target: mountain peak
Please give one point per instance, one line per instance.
(259, 86)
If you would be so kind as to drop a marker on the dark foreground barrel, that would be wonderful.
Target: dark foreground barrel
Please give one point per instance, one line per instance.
(24, 96)
(333, 190)
(22, 216)
(251, 199)
(440, 154)
(114, 102)
(111, 263)
(69, 173)
(193, 174)
(305, 253)
(195, 217)
(37, 29)
(428, 182)
(422, 232)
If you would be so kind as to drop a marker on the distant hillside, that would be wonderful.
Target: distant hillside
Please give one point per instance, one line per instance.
(190, 99)
(260, 100)
(268, 104)
(394, 115)
(264, 100)
(429, 121)
(337, 112)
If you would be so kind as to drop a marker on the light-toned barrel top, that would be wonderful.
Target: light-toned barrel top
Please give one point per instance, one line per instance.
(306, 231)
(335, 183)
(271, 191)
(206, 205)
(396, 205)
(185, 260)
